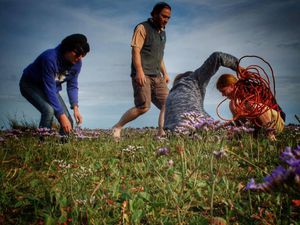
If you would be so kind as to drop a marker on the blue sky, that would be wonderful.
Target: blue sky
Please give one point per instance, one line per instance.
(267, 28)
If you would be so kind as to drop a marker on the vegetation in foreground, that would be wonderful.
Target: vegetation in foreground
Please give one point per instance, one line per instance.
(183, 179)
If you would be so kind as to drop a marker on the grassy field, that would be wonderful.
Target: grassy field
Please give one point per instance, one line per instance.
(182, 179)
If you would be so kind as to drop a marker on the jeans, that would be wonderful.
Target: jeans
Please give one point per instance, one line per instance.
(36, 96)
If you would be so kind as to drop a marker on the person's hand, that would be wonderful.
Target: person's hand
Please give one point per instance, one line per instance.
(77, 116)
(166, 77)
(65, 123)
(272, 137)
(271, 134)
(140, 79)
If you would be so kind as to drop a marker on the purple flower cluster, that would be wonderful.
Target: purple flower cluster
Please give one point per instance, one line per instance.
(162, 151)
(281, 175)
(13, 133)
(85, 133)
(194, 121)
(45, 132)
(78, 133)
(291, 157)
(239, 129)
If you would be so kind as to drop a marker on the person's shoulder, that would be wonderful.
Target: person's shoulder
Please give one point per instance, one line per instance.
(48, 58)
(139, 27)
(140, 30)
(49, 55)
(143, 23)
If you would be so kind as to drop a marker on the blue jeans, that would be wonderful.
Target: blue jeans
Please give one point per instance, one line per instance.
(36, 96)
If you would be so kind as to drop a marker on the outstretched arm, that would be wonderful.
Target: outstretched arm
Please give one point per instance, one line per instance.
(211, 66)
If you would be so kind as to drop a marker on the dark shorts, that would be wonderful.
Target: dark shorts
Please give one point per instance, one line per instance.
(155, 90)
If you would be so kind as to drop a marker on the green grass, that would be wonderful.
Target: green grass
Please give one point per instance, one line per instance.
(100, 181)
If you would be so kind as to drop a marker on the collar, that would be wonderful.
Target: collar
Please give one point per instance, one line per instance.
(61, 59)
(150, 20)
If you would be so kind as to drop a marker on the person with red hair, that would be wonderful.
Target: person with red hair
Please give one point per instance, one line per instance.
(244, 108)
(188, 93)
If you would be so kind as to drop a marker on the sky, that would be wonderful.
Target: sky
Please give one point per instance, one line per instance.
(266, 28)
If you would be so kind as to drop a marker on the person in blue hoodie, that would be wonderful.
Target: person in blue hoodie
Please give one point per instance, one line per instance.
(42, 81)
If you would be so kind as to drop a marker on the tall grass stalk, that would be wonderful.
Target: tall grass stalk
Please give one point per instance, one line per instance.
(213, 184)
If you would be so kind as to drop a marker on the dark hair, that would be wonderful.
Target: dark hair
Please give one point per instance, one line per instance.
(159, 7)
(75, 42)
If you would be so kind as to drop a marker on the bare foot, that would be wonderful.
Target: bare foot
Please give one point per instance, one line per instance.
(116, 133)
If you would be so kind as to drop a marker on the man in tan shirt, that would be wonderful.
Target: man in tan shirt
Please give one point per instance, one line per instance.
(148, 71)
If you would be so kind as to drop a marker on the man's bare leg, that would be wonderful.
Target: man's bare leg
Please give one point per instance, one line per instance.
(161, 120)
(128, 116)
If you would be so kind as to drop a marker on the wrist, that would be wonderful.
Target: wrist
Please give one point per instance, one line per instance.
(75, 107)
(62, 117)
(140, 73)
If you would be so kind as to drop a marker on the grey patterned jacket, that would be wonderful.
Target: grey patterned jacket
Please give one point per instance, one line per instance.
(188, 93)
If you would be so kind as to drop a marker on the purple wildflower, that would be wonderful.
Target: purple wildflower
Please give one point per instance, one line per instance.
(293, 162)
(162, 151)
(297, 171)
(287, 153)
(276, 175)
(291, 157)
(79, 133)
(297, 151)
(251, 185)
(2, 139)
(281, 175)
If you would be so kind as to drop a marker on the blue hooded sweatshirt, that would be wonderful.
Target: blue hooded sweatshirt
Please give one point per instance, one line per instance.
(48, 71)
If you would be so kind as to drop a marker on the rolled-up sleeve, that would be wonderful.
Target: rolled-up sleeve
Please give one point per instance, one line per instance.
(138, 37)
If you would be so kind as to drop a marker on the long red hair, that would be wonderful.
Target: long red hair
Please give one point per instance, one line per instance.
(226, 80)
